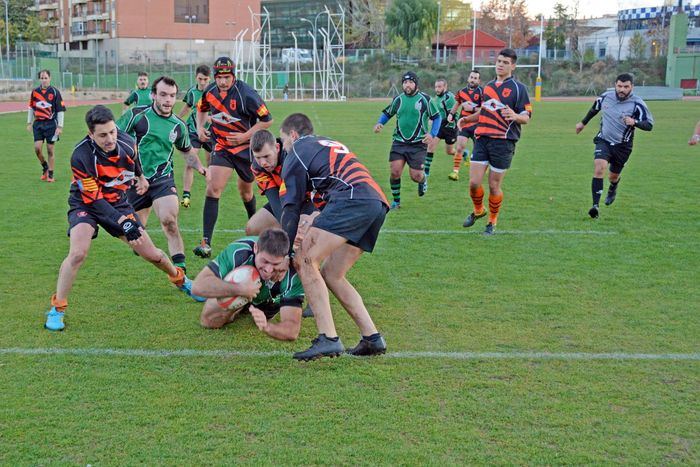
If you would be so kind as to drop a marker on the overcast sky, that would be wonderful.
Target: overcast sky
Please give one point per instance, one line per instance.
(592, 7)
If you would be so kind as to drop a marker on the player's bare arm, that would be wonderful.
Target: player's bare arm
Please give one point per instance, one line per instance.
(202, 132)
(696, 135)
(511, 116)
(288, 327)
(192, 160)
(185, 111)
(209, 285)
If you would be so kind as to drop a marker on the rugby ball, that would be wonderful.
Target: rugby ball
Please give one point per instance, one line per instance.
(240, 275)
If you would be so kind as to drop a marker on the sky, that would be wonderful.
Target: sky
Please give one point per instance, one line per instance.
(592, 7)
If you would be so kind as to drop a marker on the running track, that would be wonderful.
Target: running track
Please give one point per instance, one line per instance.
(9, 107)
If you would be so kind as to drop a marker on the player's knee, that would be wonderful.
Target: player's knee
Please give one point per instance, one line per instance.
(169, 223)
(417, 176)
(251, 228)
(331, 277)
(211, 320)
(77, 257)
(152, 255)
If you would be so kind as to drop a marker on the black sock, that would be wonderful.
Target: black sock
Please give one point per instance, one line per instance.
(373, 337)
(50, 173)
(211, 212)
(428, 162)
(395, 189)
(334, 339)
(250, 207)
(179, 260)
(613, 186)
(596, 189)
(45, 166)
(185, 194)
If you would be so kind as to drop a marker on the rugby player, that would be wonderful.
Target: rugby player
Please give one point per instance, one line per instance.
(280, 292)
(104, 165)
(468, 101)
(505, 107)
(141, 95)
(45, 119)
(347, 226)
(158, 132)
(696, 135)
(413, 110)
(237, 112)
(622, 113)
(448, 129)
(189, 110)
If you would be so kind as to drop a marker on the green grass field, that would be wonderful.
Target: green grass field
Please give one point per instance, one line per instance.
(552, 281)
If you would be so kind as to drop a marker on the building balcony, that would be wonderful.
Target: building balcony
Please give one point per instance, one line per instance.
(40, 5)
(97, 16)
(77, 2)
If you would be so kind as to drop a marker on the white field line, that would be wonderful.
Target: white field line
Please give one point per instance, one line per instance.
(444, 232)
(401, 355)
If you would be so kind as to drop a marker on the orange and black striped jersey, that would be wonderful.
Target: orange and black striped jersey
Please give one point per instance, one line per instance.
(469, 95)
(98, 175)
(497, 96)
(46, 103)
(232, 111)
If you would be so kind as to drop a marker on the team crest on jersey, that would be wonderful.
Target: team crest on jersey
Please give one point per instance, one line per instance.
(224, 118)
(419, 105)
(121, 179)
(43, 105)
(50, 97)
(506, 92)
(173, 135)
(493, 105)
(82, 214)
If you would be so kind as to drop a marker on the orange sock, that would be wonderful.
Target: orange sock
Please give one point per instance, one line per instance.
(456, 162)
(494, 206)
(179, 278)
(477, 195)
(60, 305)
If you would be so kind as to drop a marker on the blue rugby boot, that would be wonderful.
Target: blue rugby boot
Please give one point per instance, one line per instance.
(54, 320)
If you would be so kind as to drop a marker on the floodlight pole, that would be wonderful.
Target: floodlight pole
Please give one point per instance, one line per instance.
(7, 33)
(190, 18)
(437, 41)
(313, 42)
(474, 42)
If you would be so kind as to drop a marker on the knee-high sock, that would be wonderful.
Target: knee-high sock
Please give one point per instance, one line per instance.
(395, 189)
(250, 207)
(477, 195)
(596, 189)
(456, 162)
(494, 206)
(428, 163)
(613, 186)
(211, 212)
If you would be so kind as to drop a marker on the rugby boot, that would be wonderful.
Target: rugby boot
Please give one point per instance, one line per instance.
(44, 175)
(373, 345)
(186, 287)
(308, 312)
(454, 176)
(423, 187)
(593, 212)
(610, 198)
(394, 206)
(490, 229)
(50, 179)
(185, 203)
(203, 250)
(321, 346)
(54, 320)
(471, 218)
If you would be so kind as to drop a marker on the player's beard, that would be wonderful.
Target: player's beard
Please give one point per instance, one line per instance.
(163, 112)
(621, 96)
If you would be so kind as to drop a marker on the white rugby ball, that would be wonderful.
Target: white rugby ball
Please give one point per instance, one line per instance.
(240, 275)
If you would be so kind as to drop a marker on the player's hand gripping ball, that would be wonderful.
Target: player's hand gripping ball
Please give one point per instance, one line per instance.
(240, 275)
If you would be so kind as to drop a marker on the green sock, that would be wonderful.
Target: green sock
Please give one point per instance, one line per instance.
(395, 189)
(428, 162)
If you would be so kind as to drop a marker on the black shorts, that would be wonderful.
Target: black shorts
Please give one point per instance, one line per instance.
(616, 154)
(196, 143)
(468, 132)
(158, 188)
(413, 153)
(45, 130)
(81, 213)
(357, 220)
(496, 153)
(239, 162)
(448, 134)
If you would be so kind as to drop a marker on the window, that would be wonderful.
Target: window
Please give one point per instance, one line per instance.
(196, 11)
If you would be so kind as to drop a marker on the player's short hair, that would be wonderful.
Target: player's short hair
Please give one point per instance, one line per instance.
(509, 53)
(203, 69)
(98, 115)
(274, 242)
(299, 123)
(441, 80)
(38, 75)
(143, 73)
(625, 77)
(475, 71)
(260, 139)
(163, 79)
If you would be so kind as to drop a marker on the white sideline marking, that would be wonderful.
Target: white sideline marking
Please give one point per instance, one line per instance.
(445, 232)
(405, 355)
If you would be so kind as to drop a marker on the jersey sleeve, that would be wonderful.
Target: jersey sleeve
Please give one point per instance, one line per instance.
(125, 122)
(391, 109)
(222, 264)
(182, 142)
(642, 113)
(85, 177)
(256, 106)
(131, 98)
(523, 104)
(189, 98)
(31, 100)
(293, 194)
(293, 294)
(203, 103)
(451, 101)
(59, 105)
(433, 109)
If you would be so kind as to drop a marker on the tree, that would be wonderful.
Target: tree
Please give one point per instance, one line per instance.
(506, 20)
(455, 15)
(555, 32)
(366, 23)
(638, 46)
(412, 20)
(23, 23)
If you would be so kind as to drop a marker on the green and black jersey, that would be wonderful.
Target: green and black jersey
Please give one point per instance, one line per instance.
(413, 116)
(192, 96)
(139, 97)
(445, 104)
(272, 295)
(156, 137)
